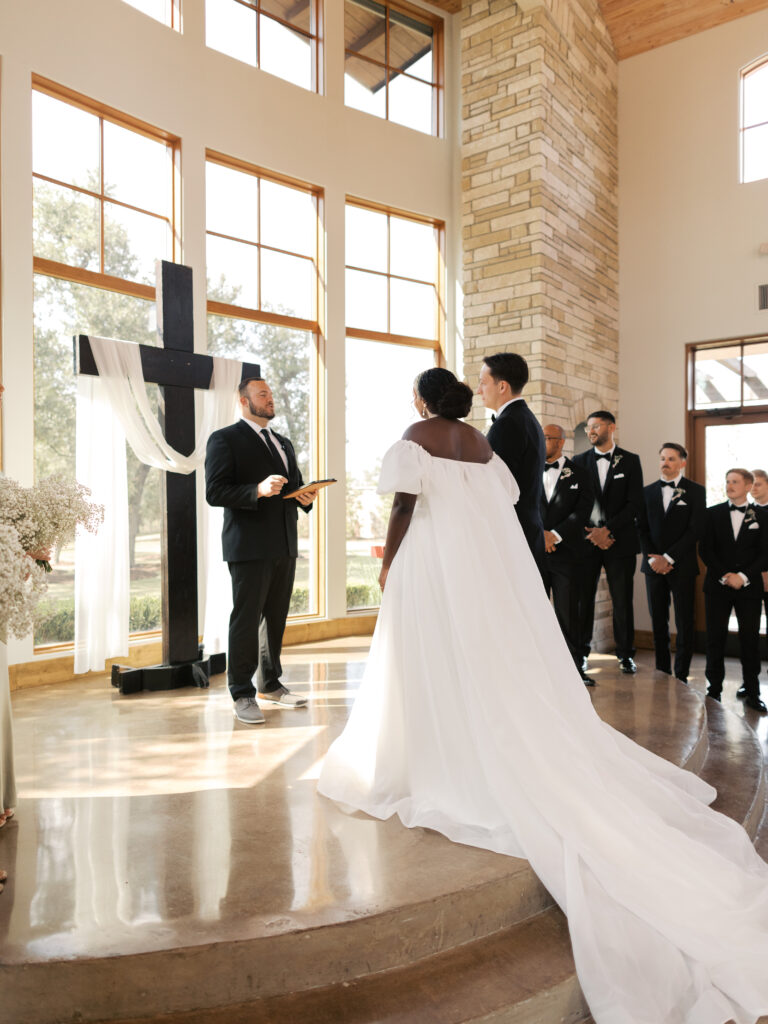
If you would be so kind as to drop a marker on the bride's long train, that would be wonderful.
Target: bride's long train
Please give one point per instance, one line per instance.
(471, 720)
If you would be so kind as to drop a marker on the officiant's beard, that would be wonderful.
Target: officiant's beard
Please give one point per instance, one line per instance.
(262, 411)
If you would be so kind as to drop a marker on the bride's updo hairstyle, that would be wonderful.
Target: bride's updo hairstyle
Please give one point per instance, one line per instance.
(443, 393)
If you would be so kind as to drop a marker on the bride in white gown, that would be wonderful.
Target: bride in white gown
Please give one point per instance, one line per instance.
(472, 720)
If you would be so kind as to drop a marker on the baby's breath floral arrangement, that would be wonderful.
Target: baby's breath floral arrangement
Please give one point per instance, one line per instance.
(47, 515)
(33, 519)
(22, 584)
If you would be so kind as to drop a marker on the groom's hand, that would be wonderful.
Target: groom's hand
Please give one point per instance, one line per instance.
(271, 486)
(550, 544)
(600, 536)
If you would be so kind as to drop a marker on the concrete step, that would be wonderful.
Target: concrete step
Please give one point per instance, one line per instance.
(522, 975)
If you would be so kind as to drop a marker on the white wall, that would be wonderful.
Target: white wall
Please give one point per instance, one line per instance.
(116, 55)
(688, 231)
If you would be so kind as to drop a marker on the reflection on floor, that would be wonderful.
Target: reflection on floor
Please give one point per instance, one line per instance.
(157, 823)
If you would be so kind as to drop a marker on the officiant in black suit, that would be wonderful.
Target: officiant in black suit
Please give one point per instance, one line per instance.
(671, 526)
(516, 437)
(247, 469)
(735, 552)
(611, 537)
(566, 504)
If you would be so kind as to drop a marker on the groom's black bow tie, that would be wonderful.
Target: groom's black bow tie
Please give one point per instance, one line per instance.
(667, 483)
(551, 465)
(737, 508)
(606, 456)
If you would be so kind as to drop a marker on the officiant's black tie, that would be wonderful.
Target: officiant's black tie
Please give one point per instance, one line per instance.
(273, 452)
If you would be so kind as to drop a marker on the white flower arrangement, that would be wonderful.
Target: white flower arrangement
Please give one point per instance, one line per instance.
(22, 584)
(31, 519)
(616, 460)
(47, 515)
(678, 492)
(565, 472)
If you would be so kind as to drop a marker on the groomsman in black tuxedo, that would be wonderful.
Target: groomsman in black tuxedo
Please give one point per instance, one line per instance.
(247, 469)
(671, 527)
(566, 504)
(516, 437)
(612, 541)
(735, 552)
(760, 499)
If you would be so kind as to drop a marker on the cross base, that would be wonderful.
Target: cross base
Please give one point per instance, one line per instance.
(128, 679)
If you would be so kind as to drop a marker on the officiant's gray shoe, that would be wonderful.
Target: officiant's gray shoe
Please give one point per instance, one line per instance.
(247, 710)
(284, 698)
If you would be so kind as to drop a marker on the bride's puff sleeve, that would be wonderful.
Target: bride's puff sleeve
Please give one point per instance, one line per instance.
(401, 469)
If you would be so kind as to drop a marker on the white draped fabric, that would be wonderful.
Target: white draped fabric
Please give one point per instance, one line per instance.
(111, 409)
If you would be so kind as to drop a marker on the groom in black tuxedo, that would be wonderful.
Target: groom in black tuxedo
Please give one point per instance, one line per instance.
(671, 526)
(611, 537)
(247, 469)
(735, 552)
(516, 437)
(566, 503)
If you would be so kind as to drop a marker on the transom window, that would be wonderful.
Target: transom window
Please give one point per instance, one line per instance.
(392, 63)
(754, 121)
(730, 375)
(165, 11)
(278, 36)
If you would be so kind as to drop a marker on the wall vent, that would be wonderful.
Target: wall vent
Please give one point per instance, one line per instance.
(762, 296)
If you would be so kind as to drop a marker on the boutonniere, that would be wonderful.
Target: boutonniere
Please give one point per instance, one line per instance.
(565, 472)
(616, 460)
(749, 515)
(678, 493)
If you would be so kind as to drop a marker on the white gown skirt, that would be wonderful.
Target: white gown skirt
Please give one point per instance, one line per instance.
(472, 720)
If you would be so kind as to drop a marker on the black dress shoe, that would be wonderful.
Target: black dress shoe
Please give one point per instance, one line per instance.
(587, 680)
(715, 695)
(756, 704)
(627, 666)
(741, 693)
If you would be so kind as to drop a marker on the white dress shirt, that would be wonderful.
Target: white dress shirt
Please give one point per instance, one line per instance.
(667, 492)
(603, 465)
(551, 476)
(260, 430)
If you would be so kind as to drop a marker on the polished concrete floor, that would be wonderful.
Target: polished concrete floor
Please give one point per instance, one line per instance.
(157, 821)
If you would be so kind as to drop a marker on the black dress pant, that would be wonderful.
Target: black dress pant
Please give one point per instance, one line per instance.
(678, 590)
(261, 594)
(620, 571)
(560, 580)
(718, 605)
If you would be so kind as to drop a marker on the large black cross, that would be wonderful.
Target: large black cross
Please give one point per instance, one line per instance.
(178, 370)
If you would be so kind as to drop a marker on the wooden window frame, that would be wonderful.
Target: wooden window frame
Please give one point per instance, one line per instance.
(744, 74)
(94, 279)
(733, 411)
(437, 84)
(436, 344)
(315, 327)
(100, 279)
(313, 36)
(175, 19)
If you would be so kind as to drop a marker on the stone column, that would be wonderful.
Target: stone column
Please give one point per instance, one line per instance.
(540, 204)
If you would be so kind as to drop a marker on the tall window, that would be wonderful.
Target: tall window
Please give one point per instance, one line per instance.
(278, 36)
(392, 63)
(104, 210)
(264, 305)
(165, 11)
(395, 322)
(754, 121)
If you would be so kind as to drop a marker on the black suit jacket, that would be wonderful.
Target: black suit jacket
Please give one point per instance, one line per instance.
(677, 531)
(568, 511)
(518, 439)
(748, 553)
(620, 503)
(236, 461)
